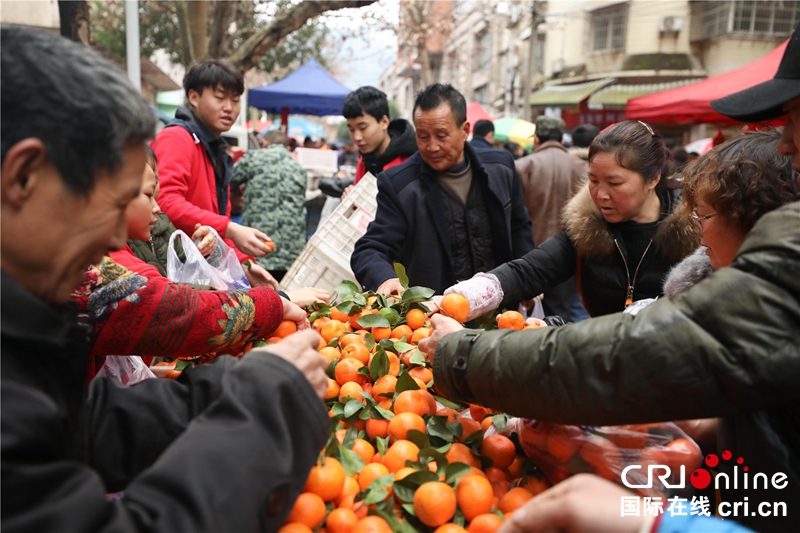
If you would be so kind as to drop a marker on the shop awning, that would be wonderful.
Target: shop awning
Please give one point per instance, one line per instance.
(616, 96)
(567, 95)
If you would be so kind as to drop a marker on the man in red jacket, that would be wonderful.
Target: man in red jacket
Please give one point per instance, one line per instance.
(382, 143)
(194, 169)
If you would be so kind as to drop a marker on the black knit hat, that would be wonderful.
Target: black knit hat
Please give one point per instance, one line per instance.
(765, 101)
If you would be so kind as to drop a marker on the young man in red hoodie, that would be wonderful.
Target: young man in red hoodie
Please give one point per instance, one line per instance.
(382, 143)
(194, 169)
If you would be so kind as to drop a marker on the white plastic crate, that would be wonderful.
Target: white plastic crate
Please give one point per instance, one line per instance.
(325, 259)
(325, 161)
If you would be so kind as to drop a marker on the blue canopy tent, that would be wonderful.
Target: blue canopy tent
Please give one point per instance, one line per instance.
(310, 90)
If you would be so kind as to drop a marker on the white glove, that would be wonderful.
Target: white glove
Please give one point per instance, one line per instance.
(638, 305)
(483, 292)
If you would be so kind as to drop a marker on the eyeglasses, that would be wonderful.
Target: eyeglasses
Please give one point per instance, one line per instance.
(697, 221)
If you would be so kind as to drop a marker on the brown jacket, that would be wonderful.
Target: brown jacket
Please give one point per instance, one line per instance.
(550, 176)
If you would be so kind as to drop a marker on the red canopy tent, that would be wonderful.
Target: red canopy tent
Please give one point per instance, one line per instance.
(690, 104)
(476, 112)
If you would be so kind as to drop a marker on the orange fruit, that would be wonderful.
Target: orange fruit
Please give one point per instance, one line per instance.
(330, 353)
(421, 333)
(478, 412)
(350, 488)
(326, 479)
(684, 452)
(403, 472)
(372, 524)
(604, 456)
(435, 503)
(333, 389)
(474, 495)
(499, 449)
(295, 527)
(377, 427)
(515, 469)
(349, 338)
(364, 449)
(402, 423)
(415, 318)
(381, 333)
(370, 473)
(341, 521)
(495, 474)
(308, 509)
(386, 403)
(486, 423)
(563, 442)
(461, 453)
(384, 385)
(456, 307)
(450, 528)
(468, 427)
(356, 351)
(511, 320)
(500, 488)
(422, 373)
(351, 389)
(172, 374)
(332, 330)
(535, 485)
(411, 401)
(451, 414)
(400, 452)
(429, 398)
(347, 370)
(318, 323)
(394, 364)
(339, 315)
(485, 523)
(513, 500)
(285, 328)
(401, 331)
(354, 322)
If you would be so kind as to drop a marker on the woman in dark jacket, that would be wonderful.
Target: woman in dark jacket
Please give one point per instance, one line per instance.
(620, 238)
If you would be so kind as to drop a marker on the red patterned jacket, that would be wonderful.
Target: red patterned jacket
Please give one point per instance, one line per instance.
(129, 314)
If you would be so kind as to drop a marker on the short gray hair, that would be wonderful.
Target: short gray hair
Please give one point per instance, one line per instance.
(275, 137)
(82, 107)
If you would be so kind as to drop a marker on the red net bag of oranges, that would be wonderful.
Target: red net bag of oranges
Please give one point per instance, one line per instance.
(622, 454)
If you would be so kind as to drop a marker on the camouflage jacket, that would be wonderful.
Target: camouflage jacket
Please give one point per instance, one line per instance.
(273, 201)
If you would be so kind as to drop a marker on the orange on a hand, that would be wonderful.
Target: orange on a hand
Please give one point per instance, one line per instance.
(341, 521)
(398, 453)
(499, 449)
(435, 503)
(510, 320)
(308, 509)
(347, 370)
(415, 318)
(485, 523)
(332, 330)
(356, 351)
(411, 401)
(474, 495)
(401, 424)
(270, 244)
(370, 473)
(326, 479)
(455, 306)
(513, 500)
(285, 328)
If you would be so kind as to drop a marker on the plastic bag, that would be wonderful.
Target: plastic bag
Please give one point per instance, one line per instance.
(127, 369)
(222, 270)
(561, 451)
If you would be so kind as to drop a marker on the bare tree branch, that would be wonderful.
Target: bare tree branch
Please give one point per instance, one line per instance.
(186, 36)
(247, 55)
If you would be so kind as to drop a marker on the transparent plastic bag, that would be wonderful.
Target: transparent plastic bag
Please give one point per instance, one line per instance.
(127, 369)
(561, 451)
(222, 270)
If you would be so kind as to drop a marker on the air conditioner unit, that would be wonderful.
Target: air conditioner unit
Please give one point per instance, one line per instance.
(670, 24)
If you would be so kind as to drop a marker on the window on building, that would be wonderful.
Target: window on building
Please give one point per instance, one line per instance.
(609, 27)
(484, 50)
(757, 17)
(482, 95)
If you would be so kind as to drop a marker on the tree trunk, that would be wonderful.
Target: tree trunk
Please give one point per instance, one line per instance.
(187, 50)
(284, 23)
(197, 11)
(221, 19)
(75, 21)
(424, 61)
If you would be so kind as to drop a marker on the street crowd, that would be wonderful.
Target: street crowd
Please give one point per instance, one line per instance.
(664, 294)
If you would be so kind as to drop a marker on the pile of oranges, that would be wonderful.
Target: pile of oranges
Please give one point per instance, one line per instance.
(401, 458)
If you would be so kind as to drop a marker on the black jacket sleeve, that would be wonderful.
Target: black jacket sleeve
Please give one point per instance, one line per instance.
(540, 269)
(236, 466)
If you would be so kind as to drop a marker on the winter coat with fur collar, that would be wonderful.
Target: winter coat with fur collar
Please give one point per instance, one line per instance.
(596, 253)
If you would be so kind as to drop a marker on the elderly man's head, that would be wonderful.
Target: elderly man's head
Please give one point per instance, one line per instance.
(73, 154)
(440, 118)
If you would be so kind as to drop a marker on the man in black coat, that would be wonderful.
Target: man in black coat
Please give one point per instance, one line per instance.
(226, 447)
(448, 212)
(483, 134)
